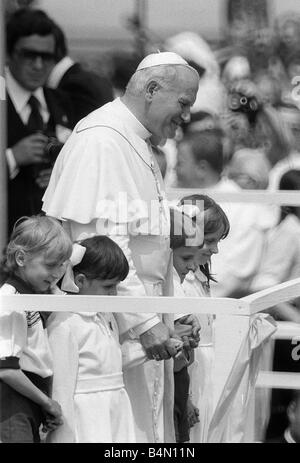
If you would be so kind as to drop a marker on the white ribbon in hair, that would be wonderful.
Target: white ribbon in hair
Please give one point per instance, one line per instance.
(68, 283)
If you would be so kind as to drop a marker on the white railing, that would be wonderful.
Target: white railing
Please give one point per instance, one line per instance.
(283, 379)
(231, 325)
(279, 198)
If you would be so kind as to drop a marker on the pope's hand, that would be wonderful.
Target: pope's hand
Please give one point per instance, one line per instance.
(157, 343)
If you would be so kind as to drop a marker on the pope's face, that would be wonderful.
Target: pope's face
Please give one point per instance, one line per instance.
(171, 103)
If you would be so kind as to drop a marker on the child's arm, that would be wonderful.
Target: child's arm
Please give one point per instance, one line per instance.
(17, 380)
(13, 339)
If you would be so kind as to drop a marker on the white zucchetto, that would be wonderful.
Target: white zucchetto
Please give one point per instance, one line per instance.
(166, 57)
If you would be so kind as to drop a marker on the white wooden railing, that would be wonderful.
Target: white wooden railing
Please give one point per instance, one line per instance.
(231, 325)
(278, 379)
(279, 198)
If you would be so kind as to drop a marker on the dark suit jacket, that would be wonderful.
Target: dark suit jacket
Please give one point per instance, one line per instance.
(87, 90)
(24, 195)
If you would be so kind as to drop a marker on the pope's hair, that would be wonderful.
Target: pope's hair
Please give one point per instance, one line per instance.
(163, 74)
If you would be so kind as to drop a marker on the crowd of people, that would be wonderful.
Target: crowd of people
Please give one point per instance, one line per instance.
(88, 214)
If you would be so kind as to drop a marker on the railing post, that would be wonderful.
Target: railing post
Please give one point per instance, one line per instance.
(3, 179)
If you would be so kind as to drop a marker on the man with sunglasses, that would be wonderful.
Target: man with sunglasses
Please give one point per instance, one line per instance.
(35, 114)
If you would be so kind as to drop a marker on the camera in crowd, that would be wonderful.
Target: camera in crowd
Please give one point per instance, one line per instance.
(238, 102)
(51, 151)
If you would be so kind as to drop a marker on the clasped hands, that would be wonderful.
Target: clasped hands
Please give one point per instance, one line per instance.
(162, 343)
(31, 150)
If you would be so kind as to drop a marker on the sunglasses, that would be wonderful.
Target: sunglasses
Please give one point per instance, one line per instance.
(31, 55)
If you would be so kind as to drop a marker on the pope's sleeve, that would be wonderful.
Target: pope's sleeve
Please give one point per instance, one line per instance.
(65, 365)
(94, 177)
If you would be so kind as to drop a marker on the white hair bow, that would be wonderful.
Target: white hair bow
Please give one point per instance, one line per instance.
(68, 283)
(189, 209)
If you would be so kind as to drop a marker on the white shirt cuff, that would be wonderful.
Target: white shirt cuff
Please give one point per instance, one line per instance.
(143, 327)
(12, 165)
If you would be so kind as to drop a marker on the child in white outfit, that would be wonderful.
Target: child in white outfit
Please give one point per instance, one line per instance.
(88, 379)
(216, 228)
(33, 263)
(184, 250)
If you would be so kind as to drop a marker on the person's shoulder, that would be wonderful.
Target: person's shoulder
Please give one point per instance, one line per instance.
(291, 224)
(286, 232)
(59, 320)
(60, 106)
(89, 90)
(105, 119)
(9, 290)
(56, 94)
(227, 185)
(77, 70)
(85, 75)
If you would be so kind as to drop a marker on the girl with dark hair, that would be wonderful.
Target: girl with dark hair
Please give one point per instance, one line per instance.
(196, 284)
(216, 228)
(184, 241)
(88, 379)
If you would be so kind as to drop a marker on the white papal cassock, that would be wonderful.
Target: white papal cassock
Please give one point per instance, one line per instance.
(106, 181)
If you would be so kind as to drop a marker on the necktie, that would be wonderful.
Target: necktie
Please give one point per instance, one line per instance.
(35, 122)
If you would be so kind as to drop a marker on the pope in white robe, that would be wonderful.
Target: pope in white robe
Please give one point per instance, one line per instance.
(106, 181)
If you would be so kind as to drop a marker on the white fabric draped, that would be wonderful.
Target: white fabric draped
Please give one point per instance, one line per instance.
(229, 419)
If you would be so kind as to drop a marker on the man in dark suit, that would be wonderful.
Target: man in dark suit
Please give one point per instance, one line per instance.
(87, 90)
(35, 114)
